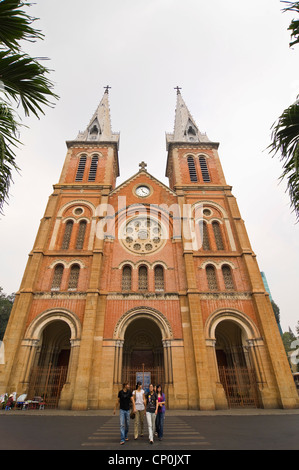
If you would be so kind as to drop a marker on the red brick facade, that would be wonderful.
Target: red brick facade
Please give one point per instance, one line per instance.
(208, 302)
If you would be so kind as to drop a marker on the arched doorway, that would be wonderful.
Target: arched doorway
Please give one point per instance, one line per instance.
(143, 356)
(236, 372)
(49, 371)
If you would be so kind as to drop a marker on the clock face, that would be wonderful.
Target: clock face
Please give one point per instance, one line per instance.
(142, 191)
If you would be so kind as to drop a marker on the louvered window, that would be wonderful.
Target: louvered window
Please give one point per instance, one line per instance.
(142, 279)
(211, 277)
(204, 170)
(228, 278)
(67, 234)
(81, 235)
(74, 277)
(57, 278)
(127, 278)
(81, 168)
(218, 236)
(192, 169)
(205, 237)
(93, 168)
(159, 278)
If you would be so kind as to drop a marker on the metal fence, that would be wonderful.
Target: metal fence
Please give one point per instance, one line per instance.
(240, 386)
(47, 382)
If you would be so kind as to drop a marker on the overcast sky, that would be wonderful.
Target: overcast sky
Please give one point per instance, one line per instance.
(237, 73)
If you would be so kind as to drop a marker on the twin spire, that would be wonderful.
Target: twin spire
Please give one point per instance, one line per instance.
(99, 128)
(185, 127)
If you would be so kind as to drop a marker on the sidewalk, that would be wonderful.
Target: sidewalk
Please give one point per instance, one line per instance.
(91, 413)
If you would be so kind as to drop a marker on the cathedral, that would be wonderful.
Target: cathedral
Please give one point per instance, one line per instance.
(144, 281)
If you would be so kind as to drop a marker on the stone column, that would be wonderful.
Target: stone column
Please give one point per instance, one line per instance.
(67, 391)
(218, 390)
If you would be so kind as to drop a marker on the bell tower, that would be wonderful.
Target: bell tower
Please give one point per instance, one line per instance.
(222, 274)
(64, 267)
(92, 157)
(192, 157)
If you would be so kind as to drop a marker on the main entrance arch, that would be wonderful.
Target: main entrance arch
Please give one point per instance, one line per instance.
(144, 338)
(143, 353)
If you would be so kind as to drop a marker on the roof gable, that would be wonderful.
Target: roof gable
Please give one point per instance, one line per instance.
(144, 176)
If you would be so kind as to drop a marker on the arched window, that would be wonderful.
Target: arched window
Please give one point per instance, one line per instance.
(228, 277)
(94, 130)
(127, 278)
(81, 235)
(205, 237)
(204, 170)
(74, 276)
(57, 278)
(67, 234)
(93, 168)
(159, 278)
(142, 278)
(211, 277)
(218, 236)
(81, 168)
(192, 169)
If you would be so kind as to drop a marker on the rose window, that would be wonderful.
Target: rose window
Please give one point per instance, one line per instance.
(142, 235)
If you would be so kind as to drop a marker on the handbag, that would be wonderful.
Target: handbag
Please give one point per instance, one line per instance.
(132, 414)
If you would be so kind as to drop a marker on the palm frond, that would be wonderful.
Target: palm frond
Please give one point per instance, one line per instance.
(15, 24)
(294, 25)
(8, 141)
(285, 141)
(25, 80)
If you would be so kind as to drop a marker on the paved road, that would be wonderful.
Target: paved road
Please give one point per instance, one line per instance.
(194, 432)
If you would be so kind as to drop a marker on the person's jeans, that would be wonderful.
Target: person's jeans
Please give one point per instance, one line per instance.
(160, 424)
(124, 418)
(151, 418)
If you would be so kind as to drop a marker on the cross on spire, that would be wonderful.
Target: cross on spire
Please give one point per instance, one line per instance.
(107, 88)
(177, 88)
(143, 166)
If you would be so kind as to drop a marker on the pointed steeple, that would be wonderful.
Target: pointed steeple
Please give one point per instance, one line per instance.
(185, 127)
(99, 128)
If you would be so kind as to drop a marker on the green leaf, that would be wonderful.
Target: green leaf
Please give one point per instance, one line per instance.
(25, 81)
(8, 141)
(15, 24)
(294, 25)
(285, 142)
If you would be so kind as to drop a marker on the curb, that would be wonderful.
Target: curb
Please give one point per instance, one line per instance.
(198, 413)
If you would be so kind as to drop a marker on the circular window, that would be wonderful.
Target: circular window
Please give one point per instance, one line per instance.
(78, 211)
(142, 235)
(207, 212)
